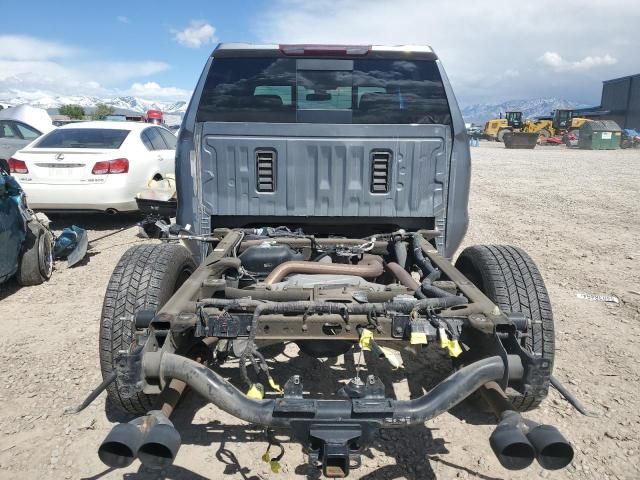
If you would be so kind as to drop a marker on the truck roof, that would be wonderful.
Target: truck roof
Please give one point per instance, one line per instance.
(422, 52)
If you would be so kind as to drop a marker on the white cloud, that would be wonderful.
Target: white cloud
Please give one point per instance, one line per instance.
(559, 64)
(31, 68)
(123, 19)
(23, 47)
(155, 91)
(480, 49)
(197, 34)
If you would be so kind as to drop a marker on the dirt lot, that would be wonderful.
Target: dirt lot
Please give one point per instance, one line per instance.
(575, 212)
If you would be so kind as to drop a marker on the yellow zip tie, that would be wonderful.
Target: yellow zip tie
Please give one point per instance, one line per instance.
(418, 338)
(393, 357)
(452, 347)
(274, 385)
(256, 391)
(365, 339)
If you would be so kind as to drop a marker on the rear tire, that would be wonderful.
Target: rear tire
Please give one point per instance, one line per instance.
(36, 263)
(510, 278)
(501, 134)
(144, 279)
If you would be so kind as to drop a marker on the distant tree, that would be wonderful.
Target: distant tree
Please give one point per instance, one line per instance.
(72, 111)
(102, 111)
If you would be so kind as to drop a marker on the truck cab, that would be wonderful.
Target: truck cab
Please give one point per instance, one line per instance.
(333, 139)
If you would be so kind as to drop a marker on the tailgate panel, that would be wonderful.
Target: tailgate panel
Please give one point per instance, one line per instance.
(325, 176)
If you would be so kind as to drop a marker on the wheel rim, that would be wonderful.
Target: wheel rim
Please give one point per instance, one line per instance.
(45, 256)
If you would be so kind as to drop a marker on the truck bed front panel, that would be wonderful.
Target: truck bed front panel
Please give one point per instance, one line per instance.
(325, 170)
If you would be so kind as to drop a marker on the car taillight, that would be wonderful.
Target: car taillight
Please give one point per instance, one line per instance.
(17, 166)
(119, 165)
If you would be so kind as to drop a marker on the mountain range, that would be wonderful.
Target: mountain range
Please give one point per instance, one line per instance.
(478, 113)
(125, 103)
(532, 108)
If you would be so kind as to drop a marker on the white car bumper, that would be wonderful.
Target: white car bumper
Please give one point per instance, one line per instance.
(96, 197)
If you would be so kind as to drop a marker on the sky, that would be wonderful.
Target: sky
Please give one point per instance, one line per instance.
(492, 51)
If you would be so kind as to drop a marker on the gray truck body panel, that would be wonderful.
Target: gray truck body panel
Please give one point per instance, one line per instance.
(323, 172)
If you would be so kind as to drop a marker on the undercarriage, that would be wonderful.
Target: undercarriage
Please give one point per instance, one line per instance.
(329, 296)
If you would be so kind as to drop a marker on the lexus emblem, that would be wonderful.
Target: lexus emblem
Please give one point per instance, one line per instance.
(60, 156)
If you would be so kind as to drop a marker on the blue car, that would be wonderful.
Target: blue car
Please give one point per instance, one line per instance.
(26, 246)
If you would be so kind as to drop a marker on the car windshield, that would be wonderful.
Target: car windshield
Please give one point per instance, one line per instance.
(104, 138)
(376, 91)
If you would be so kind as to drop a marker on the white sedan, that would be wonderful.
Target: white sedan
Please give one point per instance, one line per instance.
(97, 166)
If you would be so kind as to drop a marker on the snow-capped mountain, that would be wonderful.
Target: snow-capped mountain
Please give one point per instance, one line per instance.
(125, 103)
(480, 113)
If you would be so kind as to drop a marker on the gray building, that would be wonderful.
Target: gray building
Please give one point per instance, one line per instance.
(620, 102)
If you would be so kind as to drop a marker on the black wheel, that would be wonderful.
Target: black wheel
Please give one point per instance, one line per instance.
(144, 279)
(501, 134)
(510, 278)
(36, 262)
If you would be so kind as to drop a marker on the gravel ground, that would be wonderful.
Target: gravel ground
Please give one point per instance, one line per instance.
(574, 211)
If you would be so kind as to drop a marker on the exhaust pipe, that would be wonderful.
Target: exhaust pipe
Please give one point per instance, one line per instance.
(152, 438)
(517, 441)
(160, 446)
(553, 451)
(120, 447)
(111, 211)
(510, 445)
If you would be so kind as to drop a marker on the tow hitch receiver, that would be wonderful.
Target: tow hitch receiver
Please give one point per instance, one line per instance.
(334, 445)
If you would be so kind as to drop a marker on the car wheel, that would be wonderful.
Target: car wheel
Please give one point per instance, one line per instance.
(510, 278)
(144, 279)
(501, 134)
(36, 263)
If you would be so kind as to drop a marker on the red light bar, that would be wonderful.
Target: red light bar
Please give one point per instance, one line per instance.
(325, 50)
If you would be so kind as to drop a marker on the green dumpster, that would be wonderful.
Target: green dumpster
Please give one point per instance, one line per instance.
(600, 135)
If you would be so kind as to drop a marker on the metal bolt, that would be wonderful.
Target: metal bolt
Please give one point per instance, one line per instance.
(371, 379)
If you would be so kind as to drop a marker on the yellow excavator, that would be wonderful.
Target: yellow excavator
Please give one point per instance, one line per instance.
(562, 120)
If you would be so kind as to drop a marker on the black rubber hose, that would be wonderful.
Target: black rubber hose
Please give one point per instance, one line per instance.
(432, 291)
(423, 263)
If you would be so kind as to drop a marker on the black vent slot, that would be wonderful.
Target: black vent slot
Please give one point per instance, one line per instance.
(380, 172)
(266, 171)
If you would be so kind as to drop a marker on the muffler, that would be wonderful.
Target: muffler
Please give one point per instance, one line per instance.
(152, 438)
(510, 445)
(553, 451)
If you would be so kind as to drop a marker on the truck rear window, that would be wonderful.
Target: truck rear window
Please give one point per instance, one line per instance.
(377, 91)
(106, 138)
